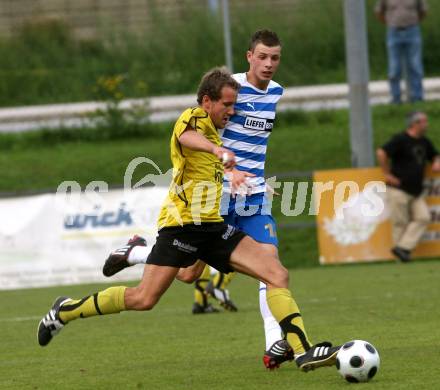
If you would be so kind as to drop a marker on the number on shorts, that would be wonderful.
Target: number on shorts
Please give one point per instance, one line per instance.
(269, 227)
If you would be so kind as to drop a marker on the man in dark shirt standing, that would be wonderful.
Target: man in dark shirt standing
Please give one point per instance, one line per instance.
(403, 160)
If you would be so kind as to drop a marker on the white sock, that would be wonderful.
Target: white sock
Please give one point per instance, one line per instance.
(272, 329)
(138, 255)
(212, 271)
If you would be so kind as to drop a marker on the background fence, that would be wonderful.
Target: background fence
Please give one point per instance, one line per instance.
(56, 51)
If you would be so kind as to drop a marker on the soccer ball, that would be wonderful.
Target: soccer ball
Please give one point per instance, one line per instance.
(357, 361)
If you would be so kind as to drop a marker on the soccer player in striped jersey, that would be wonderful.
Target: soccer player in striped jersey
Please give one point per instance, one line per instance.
(247, 134)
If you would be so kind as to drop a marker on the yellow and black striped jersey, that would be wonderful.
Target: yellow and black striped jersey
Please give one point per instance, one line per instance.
(196, 187)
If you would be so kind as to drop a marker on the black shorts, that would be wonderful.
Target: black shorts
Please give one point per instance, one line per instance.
(182, 246)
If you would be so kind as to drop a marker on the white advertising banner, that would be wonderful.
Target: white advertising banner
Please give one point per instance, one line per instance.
(55, 239)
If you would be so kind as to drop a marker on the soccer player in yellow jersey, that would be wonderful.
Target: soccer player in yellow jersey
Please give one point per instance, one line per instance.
(247, 134)
(192, 231)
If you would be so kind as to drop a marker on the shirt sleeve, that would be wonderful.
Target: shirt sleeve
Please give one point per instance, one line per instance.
(431, 150)
(191, 118)
(392, 146)
(182, 125)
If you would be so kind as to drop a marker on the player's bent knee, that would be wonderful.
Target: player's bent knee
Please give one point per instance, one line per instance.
(284, 276)
(147, 304)
(186, 275)
(142, 300)
(279, 277)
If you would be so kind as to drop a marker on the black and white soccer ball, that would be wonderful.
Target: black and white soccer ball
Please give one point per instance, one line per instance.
(358, 361)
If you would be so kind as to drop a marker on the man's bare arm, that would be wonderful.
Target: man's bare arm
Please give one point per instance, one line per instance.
(196, 141)
(384, 163)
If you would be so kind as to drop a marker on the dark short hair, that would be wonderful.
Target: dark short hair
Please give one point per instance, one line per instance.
(212, 83)
(266, 37)
(414, 117)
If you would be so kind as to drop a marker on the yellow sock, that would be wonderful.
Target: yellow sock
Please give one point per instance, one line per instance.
(103, 302)
(286, 312)
(222, 280)
(200, 285)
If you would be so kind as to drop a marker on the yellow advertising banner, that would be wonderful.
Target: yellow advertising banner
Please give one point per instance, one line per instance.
(352, 216)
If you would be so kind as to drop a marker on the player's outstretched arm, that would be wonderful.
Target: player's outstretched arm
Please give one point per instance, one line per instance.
(196, 141)
(239, 181)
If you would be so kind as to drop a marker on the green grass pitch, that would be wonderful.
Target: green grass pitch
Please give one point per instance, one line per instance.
(394, 306)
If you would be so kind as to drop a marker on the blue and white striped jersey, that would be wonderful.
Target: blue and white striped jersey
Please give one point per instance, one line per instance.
(248, 131)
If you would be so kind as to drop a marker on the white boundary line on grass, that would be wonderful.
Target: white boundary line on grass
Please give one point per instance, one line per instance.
(21, 319)
(309, 301)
